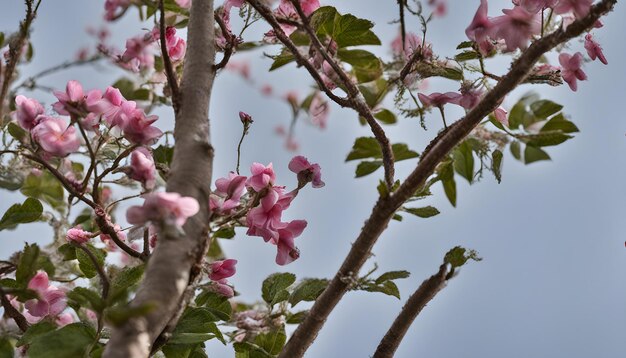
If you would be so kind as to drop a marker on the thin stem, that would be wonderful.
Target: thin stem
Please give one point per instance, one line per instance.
(443, 116)
(104, 279)
(231, 42)
(30, 81)
(411, 309)
(167, 62)
(246, 125)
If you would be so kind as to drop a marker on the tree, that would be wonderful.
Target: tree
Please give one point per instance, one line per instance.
(189, 221)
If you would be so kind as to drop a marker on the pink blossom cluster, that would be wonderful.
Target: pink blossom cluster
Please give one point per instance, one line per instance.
(56, 137)
(140, 50)
(269, 200)
(412, 43)
(163, 209)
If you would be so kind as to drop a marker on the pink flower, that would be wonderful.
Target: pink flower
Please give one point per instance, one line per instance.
(262, 176)
(571, 69)
(167, 208)
(594, 50)
(222, 269)
(245, 118)
(185, 4)
(111, 8)
(306, 171)
(26, 111)
(108, 241)
(580, 8)
(440, 7)
(228, 193)
(469, 97)
(501, 115)
(78, 236)
(437, 99)
(137, 127)
(64, 319)
(175, 45)
(319, 110)
(287, 251)
(138, 50)
(516, 27)
(113, 105)
(264, 220)
(221, 287)
(412, 43)
(51, 301)
(480, 27)
(55, 136)
(142, 167)
(74, 101)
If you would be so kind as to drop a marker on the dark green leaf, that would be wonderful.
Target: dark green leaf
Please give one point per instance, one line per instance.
(272, 342)
(559, 122)
(73, 340)
(365, 147)
(225, 233)
(282, 59)
(425, 212)
(446, 174)
(532, 154)
(544, 139)
(163, 155)
(68, 251)
(123, 281)
(274, 286)
(26, 212)
(386, 116)
(516, 150)
(387, 287)
(44, 187)
(397, 217)
(364, 168)
(118, 315)
(6, 349)
(216, 304)
(349, 30)
(496, 164)
(465, 44)
(193, 324)
(27, 266)
(464, 161)
(84, 262)
(35, 331)
(545, 108)
(453, 73)
(84, 297)
(367, 67)
(402, 152)
(466, 56)
(296, 318)
(308, 290)
(17, 132)
(458, 256)
(126, 87)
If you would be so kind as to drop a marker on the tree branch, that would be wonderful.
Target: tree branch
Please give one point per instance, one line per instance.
(12, 312)
(172, 266)
(385, 207)
(167, 62)
(413, 306)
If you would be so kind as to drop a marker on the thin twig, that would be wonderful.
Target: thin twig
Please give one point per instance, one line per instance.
(12, 312)
(231, 42)
(167, 62)
(411, 309)
(104, 279)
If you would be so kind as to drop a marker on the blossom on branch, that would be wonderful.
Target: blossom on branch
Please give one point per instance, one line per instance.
(27, 111)
(51, 301)
(163, 208)
(222, 269)
(55, 136)
(572, 69)
(306, 172)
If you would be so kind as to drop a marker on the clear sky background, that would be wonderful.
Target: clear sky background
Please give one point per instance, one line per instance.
(551, 234)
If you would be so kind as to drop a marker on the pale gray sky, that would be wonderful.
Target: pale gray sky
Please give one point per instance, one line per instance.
(551, 234)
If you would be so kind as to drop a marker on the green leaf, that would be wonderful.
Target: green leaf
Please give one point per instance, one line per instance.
(44, 187)
(272, 342)
(163, 155)
(27, 265)
(323, 20)
(367, 67)
(282, 59)
(6, 349)
(17, 132)
(452, 73)
(559, 122)
(141, 94)
(249, 350)
(496, 164)
(465, 44)
(349, 30)
(392, 275)
(466, 56)
(35, 331)
(275, 286)
(532, 154)
(216, 304)
(396, 217)
(308, 290)
(458, 256)
(225, 233)
(545, 108)
(388, 287)
(544, 139)
(425, 212)
(1, 39)
(84, 297)
(118, 315)
(464, 161)
(374, 91)
(73, 340)
(68, 252)
(364, 168)
(446, 174)
(296, 318)
(123, 281)
(10, 181)
(386, 116)
(402, 152)
(196, 326)
(126, 87)
(84, 262)
(365, 147)
(26, 212)
(516, 150)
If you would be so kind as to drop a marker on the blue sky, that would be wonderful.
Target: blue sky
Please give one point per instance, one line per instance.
(551, 234)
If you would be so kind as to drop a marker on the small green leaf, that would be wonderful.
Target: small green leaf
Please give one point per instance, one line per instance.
(544, 138)
(496, 164)
(386, 116)
(465, 44)
(216, 304)
(464, 161)
(402, 152)
(73, 340)
(516, 150)
(274, 286)
(34, 331)
(396, 217)
(194, 326)
(126, 87)
(364, 147)
(45, 187)
(84, 261)
(285, 57)
(17, 132)
(392, 275)
(68, 251)
(425, 212)
(545, 108)
(123, 281)
(349, 30)
(458, 256)
(374, 91)
(163, 155)
(296, 318)
(364, 168)
(225, 233)
(27, 265)
(367, 67)
(559, 122)
(446, 174)
(308, 290)
(532, 154)
(272, 342)
(120, 314)
(84, 297)
(466, 56)
(26, 212)
(387, 287)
